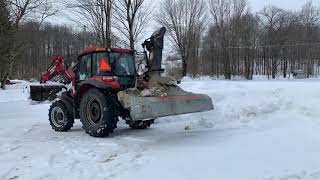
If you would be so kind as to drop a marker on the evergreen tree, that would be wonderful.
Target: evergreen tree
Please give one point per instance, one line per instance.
(6, 38)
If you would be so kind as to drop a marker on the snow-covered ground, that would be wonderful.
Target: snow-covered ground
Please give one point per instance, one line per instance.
(260, 130)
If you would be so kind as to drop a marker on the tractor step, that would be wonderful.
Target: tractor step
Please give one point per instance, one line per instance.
(45, 92)
(176, 102)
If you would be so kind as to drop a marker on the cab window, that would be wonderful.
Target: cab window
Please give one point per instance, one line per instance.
(122, 64)
(85, 67)
(96, 59)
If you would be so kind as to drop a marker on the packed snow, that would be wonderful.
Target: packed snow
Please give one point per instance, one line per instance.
(259, 130)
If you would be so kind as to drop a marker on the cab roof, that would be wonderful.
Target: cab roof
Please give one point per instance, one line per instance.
(94, 49)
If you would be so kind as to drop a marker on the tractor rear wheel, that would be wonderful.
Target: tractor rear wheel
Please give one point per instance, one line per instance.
(61, 119)
(97, 113)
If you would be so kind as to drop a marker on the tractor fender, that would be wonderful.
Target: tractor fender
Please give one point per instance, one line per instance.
(95, 83)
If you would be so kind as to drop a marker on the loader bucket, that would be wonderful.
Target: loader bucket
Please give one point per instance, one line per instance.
(44, 92)
(175, 103)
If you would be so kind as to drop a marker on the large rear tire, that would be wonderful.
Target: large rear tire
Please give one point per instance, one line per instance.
(97, 113)
(61, 119)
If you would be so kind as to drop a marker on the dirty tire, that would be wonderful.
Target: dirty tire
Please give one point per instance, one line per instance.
(97, 113)
(140, 124)
(61, 119)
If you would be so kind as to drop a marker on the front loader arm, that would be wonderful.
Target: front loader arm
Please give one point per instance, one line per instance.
(57, 68)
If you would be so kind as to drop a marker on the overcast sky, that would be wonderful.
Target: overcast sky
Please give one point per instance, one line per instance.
(285, 4)
(255, 5)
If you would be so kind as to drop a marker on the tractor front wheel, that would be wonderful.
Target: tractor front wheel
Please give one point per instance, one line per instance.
(61, 119)
(97, 113)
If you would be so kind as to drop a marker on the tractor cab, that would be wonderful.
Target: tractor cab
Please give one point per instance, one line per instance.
(111, 66)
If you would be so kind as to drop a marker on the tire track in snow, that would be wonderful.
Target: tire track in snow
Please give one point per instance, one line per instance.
(313, 175)
(112, 157)
(6, 174)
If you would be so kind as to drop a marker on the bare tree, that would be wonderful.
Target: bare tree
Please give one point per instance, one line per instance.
(95, 14)
(18, 11)
(271, 42)
(42, 45)
(184, 19)
(310, 15)
(274, 21)
(45, 11)
(310, 18)
(132, 17)
(224, 13)
(23, 9)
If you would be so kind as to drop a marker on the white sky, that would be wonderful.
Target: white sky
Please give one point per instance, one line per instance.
(255, 5)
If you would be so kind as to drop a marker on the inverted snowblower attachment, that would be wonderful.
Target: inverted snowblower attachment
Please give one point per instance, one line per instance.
(175, 102)
(160, 96)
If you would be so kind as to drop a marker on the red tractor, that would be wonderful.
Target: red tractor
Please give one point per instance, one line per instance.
(104, 86)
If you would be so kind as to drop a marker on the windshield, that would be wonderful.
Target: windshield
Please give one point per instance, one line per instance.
(122, 64)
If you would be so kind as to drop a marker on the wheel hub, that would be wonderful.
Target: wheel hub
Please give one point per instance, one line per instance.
(57, 116)
(93, 111)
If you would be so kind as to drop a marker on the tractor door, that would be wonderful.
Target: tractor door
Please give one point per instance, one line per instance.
(114, 69)
(123, 66)
(85, 67)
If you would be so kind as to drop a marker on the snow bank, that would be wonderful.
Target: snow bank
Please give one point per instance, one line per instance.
(15, 92)
(202, 78)
(259, 130)
(241, 78)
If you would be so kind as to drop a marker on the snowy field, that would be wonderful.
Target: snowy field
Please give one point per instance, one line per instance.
(260, 130)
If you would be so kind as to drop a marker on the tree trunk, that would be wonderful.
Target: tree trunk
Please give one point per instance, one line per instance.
(285, 69)
(3, 82)
(184, 68)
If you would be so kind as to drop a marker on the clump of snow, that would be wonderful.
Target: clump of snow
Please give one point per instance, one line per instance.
(146, 92)
(203, 123)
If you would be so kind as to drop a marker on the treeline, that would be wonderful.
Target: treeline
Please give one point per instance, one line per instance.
(40, 44)
(209, 37)
(28, 44)
(227, 39)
